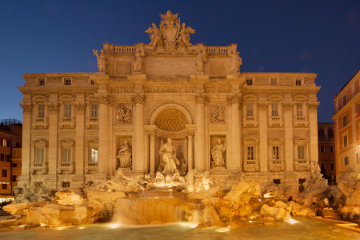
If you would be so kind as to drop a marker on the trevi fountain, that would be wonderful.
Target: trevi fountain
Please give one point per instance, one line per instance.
(200, 191)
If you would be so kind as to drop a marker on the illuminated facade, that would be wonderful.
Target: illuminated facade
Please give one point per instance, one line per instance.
(81, 127)
(327, 151)
(347, 126)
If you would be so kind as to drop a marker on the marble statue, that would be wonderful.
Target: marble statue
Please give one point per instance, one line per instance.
(138, 62)
(100, 60)
(124, 155)
(168, 157)
(235, 60)
(155, 35)
(185, 34)
(217, 154)
(201, 59)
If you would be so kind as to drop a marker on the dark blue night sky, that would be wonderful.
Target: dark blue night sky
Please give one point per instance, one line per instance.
(319, 36)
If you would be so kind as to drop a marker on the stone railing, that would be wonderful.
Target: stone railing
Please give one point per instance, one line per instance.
(217, 50)
(124, 49)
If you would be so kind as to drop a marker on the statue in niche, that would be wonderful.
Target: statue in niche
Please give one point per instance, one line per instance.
(185, 35)
(124, 155)
(155, 35)
(138, 62)
(217, 154)
(123, 114)
(217, 114)
(100, 60)
(201, 59)
(235, 60)
(168, 160)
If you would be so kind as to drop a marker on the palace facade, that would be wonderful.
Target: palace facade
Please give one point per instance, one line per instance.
(81, 127)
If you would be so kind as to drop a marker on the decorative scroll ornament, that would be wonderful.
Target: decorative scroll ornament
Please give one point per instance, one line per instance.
(202, 99)
(80, 106)
(233, 99)
(138, 99)
(123, 114)
(171, 34)
(105, 99)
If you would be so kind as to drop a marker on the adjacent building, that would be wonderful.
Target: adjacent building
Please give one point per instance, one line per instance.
(168, 100)
(327, 151)
(10, 156)
(347, 126)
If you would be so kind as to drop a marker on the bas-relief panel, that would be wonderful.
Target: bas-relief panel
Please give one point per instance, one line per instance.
(123, 152)
(123, 113)
(218, 152)
(217, 113)
(169, 66)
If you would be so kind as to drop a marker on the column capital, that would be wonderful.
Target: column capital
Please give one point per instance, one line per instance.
(80, 106)
(138, 99)
(288, 106)
(202, 99)
(313, 105)
(27, 107)
(106, 99)
(263, 105)
(53, 106)
(233, 99)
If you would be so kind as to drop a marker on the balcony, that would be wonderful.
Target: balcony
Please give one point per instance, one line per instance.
(91, 167)
(301, 165)
(39, 168)
(251, 166)
(40, 123)
(275, 121)
(276, 165)
(93, 122)
(67, 122)
(300, 121)
(249, 121)
(66, 167)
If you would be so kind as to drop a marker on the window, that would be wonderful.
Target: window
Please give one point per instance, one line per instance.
(345, 120)
(14, 165)
(299, 110)
(39, 158)
(330, 133)
(4, 143)
(274, 109)
(301, 152)
(4, 173)
(2, 157)
(3, 186)
(332, 166)
(41, 110)
(275, 153)
(331, 148)
(249, 110)
(357, 109)
(67, 110)
(93, 155)
(344, 100)
(250, 153)
(273, 81)
(298, 82)
(322, 148)
(249, 82)
(65, 184)
(276, 181)
(321, 133)
(345, 139)
(67, 81)
(346, 161)
(41, 81)
(66, 154)
(94, 110)
(13, 178)
(92, 82)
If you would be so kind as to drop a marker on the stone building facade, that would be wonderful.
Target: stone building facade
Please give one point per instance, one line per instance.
(168, 94)
(326, 139)
(347, 126)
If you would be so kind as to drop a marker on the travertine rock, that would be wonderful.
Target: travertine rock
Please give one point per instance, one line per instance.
(70, 197)
(277, 213)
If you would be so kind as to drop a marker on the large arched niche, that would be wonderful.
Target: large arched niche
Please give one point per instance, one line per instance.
(171, 117)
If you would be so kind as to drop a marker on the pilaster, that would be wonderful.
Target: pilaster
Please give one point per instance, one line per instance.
(263, 145)
(53, 107)
(314, 153)
(200, 161)
(105, 100)
(26, 140)
(289, 141)
(79, 136)
(234, 102)
(138, 163)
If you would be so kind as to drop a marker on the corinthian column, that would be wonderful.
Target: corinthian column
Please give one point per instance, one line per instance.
(200, 163)
(79, 146)
(289, 141)
(263, 151)
(138, 163)
(105, 101)
(235, 163)
(51, 178)
(314, 157)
